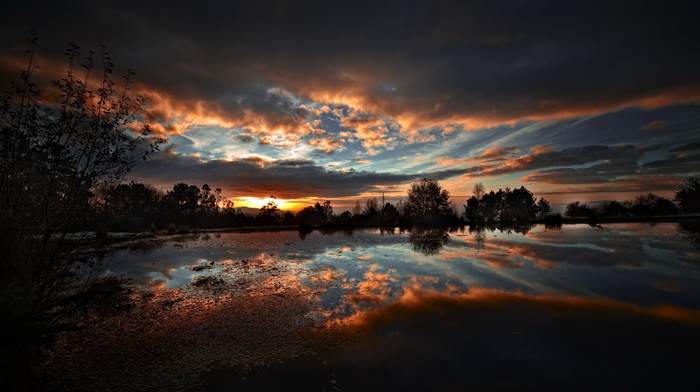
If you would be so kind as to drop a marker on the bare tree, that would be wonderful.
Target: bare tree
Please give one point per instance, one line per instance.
(53, 155)
(478, 190)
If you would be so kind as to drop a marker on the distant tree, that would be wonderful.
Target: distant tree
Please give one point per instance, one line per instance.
(208, 200)
(473, 210)
(478, 190)
(506, 204)
(429, 203)
(268, 214)
(357, 208)
(183, 199)
(315, 215)
(370, 213)
(404, 210)
(371, 207)
(288, 218)
(345, 218)
(578, 210)
(521, 202)
(542, 208)
(491, 205)
(614, 208)
(653, 204)
(687, 195)
(389, 216)
(130, 207)
(327, 210)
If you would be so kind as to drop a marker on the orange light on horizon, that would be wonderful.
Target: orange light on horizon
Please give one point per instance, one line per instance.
(259, 202)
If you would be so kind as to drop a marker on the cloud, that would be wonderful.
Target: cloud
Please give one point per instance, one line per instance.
(494, 154)
(431, 64)
(498, 153)
(543, 156)
(285, 79)
(616, 169)
(245, 138)
(373, 132)
(285, 178)
(327, 145)
(686, 147)
(620, 187)
(655, 125)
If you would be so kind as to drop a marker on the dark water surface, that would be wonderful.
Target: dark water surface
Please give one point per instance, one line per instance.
(580, 308)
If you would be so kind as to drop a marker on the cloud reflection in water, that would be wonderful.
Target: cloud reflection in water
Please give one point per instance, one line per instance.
(539, 303)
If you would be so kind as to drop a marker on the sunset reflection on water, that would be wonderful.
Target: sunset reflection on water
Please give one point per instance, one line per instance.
(469, 302)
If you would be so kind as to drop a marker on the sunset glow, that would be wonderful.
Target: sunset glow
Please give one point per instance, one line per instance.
(349, 195)
(258, 202)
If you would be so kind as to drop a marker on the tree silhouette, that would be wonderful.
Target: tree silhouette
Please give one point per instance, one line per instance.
(518, 204)
(55, 151)
(370, 213)
(577, 210)
(313, 216)
(208, 201)
(688, 195)
(478, 190)
(614, 208)
(130, 207)
(473, 210)
(652, 204)
(542, 208)
(268, 214)
(429, 203)
(506, 205)
(389, 215)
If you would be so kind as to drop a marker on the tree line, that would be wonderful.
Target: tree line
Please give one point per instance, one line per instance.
(504, 205)
(520, 205)
(134, 207)
(686, 200)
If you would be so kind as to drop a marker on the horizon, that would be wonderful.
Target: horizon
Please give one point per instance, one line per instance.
(314, 101)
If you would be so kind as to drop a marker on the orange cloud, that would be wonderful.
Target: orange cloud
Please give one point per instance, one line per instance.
(327, 145)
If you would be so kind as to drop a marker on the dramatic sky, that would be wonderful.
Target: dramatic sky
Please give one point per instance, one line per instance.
(316, 100)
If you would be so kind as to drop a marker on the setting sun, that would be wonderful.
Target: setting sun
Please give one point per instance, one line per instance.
(259, 202)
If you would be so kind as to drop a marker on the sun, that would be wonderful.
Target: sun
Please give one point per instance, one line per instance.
(259, 202)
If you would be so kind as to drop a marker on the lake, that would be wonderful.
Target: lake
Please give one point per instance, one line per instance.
(611, 307)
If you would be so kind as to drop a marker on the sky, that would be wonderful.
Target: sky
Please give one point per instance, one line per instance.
(328, 100)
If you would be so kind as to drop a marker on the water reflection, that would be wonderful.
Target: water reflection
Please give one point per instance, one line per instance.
(690, 232)
(479, 236)
(428, 241)
(536, 301)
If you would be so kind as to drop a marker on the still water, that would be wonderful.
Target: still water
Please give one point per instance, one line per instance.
(609, 307)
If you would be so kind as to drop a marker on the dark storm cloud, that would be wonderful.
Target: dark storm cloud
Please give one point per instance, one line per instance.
(287, 178)
(624, 168)
(425, 61)
(674, 164)
(693, 146)
(396, 75)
